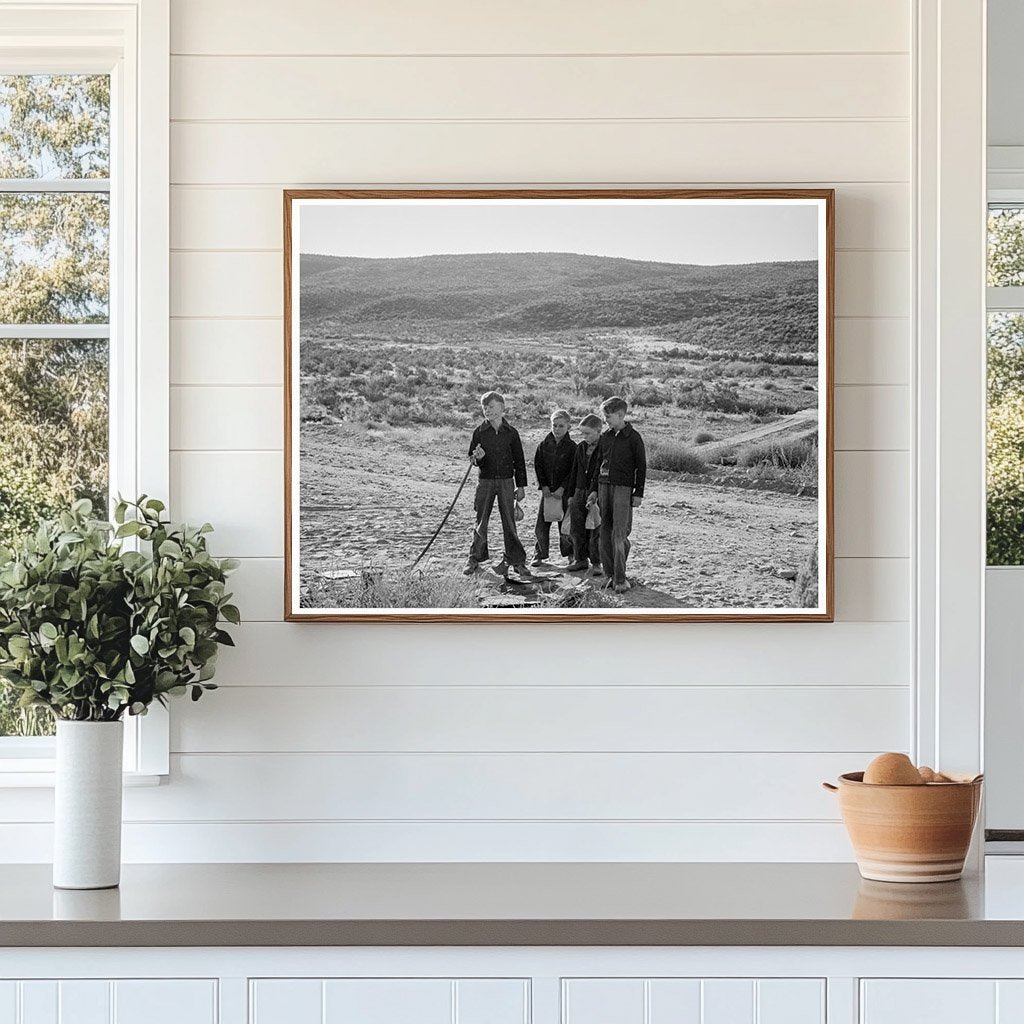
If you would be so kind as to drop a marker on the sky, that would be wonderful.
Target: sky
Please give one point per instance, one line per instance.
(675, 231)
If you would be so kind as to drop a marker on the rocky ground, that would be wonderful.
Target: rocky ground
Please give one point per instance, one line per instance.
(371, 498)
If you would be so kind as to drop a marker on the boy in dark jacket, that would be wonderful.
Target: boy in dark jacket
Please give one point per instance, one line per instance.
(586, 547)
(620, 487)
(497, 450)
(553, 462)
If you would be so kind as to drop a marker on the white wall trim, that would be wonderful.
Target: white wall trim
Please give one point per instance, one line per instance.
(949, 457)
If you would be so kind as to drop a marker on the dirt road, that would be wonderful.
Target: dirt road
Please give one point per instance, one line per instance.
(373, 497)
(797, 425)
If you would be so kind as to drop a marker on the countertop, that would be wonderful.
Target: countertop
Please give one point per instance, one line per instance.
(556, 904)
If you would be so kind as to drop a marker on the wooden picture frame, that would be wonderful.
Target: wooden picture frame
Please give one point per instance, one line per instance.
(389, 205)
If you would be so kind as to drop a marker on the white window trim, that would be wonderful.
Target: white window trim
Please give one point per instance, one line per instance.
(948, 462)
(1004, 718)
(131, 41)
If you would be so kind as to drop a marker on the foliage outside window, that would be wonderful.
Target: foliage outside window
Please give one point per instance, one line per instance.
(54, 308)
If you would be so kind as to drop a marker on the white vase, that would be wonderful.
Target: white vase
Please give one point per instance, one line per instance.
(87, 805)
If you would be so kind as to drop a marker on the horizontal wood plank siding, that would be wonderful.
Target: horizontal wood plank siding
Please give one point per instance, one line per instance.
(535, 27)
(437, 742)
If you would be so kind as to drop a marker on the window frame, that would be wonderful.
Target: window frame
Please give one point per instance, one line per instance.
(130, 41)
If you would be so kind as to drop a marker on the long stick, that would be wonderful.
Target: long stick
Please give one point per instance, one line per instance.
(440, 526)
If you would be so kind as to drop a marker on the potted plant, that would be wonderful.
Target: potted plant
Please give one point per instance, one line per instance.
(98, 620)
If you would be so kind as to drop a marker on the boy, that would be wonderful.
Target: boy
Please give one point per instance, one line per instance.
(620, 487)
(553, 463)
(497, 450)
(585, 543)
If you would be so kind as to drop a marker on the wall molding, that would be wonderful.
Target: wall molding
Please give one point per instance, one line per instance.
(949, 447)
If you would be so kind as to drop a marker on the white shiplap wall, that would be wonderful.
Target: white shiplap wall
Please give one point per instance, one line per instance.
(636, 741)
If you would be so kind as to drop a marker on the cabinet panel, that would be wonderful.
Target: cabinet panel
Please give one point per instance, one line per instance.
(103, 1001)
(492, 1001)
(603, 1001)
(929, 1001)
(1009, 1002)
(84, 1002)
(286, 1001)
(38, 1002)
(694, 1001)
(147, 1001)
(727, 1001)
(674, 1001)
(8, 1002)
(790, 1001)
(388, 1000)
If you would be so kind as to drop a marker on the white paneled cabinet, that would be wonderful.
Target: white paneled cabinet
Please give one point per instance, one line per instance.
(942, 1001)
(389, 1001)
(513, 985)
(106, 1001)
(693, 1001)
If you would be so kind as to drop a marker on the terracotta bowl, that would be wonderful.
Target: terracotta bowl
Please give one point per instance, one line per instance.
(909, 833)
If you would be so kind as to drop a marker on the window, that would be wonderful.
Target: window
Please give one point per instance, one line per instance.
(1005, 477)
(54, 309)
(84, 125)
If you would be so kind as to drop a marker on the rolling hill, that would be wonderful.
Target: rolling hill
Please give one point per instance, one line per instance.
(527, 293)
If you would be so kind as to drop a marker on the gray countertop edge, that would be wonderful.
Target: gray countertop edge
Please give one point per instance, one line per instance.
(512, 933)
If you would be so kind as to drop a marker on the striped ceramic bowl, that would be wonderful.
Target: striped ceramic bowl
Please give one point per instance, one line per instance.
(909, 833)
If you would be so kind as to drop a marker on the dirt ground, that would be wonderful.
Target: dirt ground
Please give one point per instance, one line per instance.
(372, 497)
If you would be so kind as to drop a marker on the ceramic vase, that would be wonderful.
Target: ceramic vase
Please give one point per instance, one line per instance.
(87, 805)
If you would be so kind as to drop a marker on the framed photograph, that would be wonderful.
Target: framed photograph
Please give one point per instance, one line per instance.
(559, 405)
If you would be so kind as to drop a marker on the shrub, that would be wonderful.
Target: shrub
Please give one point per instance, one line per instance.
(392, 589)
(787, 454)
(674, 458)
(24, 500)
(806, 582)
(650, 395)
(703, 436)
(599, 388)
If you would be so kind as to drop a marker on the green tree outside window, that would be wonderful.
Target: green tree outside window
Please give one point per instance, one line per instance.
(54, 271)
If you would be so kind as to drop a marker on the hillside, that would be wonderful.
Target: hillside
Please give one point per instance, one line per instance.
(457, 296)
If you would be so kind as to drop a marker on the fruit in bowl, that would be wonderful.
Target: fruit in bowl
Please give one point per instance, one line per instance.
(893, 770)
(908, 824)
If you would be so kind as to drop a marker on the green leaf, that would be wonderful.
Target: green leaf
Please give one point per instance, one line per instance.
(49, 631)
(229, 564)
(18, 646)
(170, 549)
(140, 644)
(231, 613)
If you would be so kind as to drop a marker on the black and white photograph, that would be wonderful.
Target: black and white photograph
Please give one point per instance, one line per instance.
(568, 405)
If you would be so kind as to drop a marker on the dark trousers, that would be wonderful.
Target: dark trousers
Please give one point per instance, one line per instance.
(487, 491)
(543, 531)
(586, 544)
(616, 501)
